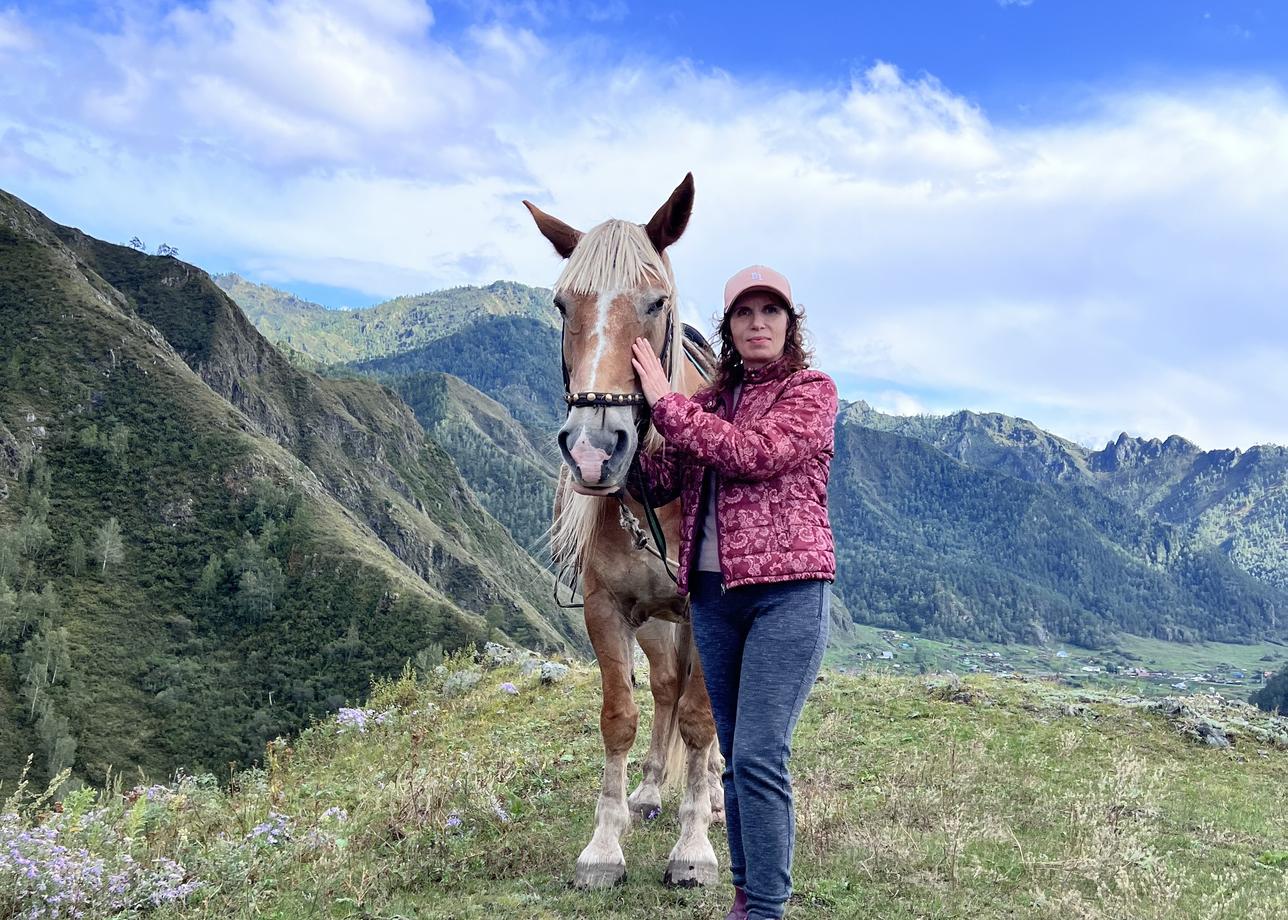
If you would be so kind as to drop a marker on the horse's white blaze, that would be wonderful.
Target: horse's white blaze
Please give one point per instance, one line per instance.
(604, 306)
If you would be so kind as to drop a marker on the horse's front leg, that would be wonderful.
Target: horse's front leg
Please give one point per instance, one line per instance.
(657, 639)
(693, 860)
(602, 863)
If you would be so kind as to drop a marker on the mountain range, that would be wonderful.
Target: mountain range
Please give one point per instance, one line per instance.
(214, 530)
(978, 525)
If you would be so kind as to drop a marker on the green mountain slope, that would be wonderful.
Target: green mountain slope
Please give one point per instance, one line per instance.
(513, 360)
(184, 575)
(511, 468)
(1231, 500)
(397, 325)
(930, 544)
(361, 440)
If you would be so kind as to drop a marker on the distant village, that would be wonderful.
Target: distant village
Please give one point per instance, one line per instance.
(899, 652)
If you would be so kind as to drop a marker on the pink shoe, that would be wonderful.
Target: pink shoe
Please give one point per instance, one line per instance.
(739, 909)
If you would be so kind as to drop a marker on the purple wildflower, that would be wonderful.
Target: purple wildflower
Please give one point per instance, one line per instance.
(271, 832)
(360, 718)
(352, 718)
(510, 688)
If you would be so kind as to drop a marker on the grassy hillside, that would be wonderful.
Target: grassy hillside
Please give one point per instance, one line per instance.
(915, 798)
(511, 468)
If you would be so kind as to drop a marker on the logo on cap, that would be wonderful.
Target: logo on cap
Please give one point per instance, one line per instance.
(757, 276)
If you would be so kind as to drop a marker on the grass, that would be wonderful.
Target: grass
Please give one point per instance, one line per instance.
(1002, 798)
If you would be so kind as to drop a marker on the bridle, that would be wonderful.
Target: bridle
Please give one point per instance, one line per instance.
(593, 399)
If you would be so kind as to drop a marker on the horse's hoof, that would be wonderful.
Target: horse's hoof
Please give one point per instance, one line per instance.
(599, 875)
(682, 874)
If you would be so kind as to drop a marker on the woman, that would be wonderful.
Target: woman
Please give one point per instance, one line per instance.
(749, 458)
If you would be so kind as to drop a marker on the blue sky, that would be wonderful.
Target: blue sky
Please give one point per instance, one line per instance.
(1021, 60)
(1074, 212)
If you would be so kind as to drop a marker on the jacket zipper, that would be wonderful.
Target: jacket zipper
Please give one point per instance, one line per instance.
(720, 548)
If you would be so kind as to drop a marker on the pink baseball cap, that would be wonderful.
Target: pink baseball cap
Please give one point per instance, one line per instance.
(756, 278)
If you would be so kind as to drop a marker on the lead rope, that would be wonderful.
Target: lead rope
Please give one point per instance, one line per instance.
(628, 519)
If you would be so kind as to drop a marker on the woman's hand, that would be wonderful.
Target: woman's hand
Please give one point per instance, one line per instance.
(649, 369)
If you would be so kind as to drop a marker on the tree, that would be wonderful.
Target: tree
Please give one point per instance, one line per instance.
(76, 556)
(107, 544)
(10, 615)
(165, 249)
(118, 443)
(136, 243)
(1273, 697)
(494, 616)
(208, 583)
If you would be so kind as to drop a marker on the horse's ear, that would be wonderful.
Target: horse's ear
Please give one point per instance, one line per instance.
(669, 222)
(560, 235)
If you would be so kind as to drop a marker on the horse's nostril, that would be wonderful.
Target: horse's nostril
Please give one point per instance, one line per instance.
(621, 443)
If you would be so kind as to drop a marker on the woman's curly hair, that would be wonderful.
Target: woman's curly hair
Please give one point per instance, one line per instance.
(796, 352)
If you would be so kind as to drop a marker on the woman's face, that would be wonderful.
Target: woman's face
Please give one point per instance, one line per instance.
(758, 324)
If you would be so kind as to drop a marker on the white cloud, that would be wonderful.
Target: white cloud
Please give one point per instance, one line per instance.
(897, 402)
(1119, 271)
(14, 35)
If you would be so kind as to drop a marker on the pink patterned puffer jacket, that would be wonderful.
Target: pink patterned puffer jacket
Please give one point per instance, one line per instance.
(772, 463)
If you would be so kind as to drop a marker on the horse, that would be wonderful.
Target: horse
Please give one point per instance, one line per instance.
(617, 284)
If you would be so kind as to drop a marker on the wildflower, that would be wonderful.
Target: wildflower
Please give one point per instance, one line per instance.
(335, 813)
(510, 688)
(453, 820)
(360, 718)
(352, 718)
(499, 810)
(272, 831)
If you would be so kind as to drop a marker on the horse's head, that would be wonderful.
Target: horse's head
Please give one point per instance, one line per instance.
(616, 286)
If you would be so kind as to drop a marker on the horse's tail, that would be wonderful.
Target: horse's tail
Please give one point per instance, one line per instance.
(676, 752)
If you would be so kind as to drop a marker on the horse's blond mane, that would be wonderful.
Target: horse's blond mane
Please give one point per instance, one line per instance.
(616, 255)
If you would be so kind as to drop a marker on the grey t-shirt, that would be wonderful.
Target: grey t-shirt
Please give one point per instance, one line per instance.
(708, 538)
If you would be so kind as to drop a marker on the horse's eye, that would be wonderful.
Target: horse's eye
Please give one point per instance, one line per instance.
(656, 306)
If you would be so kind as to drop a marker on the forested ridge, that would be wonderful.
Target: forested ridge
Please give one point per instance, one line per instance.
(186, 574)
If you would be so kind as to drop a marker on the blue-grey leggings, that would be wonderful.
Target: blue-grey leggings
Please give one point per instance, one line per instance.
(761, 647)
